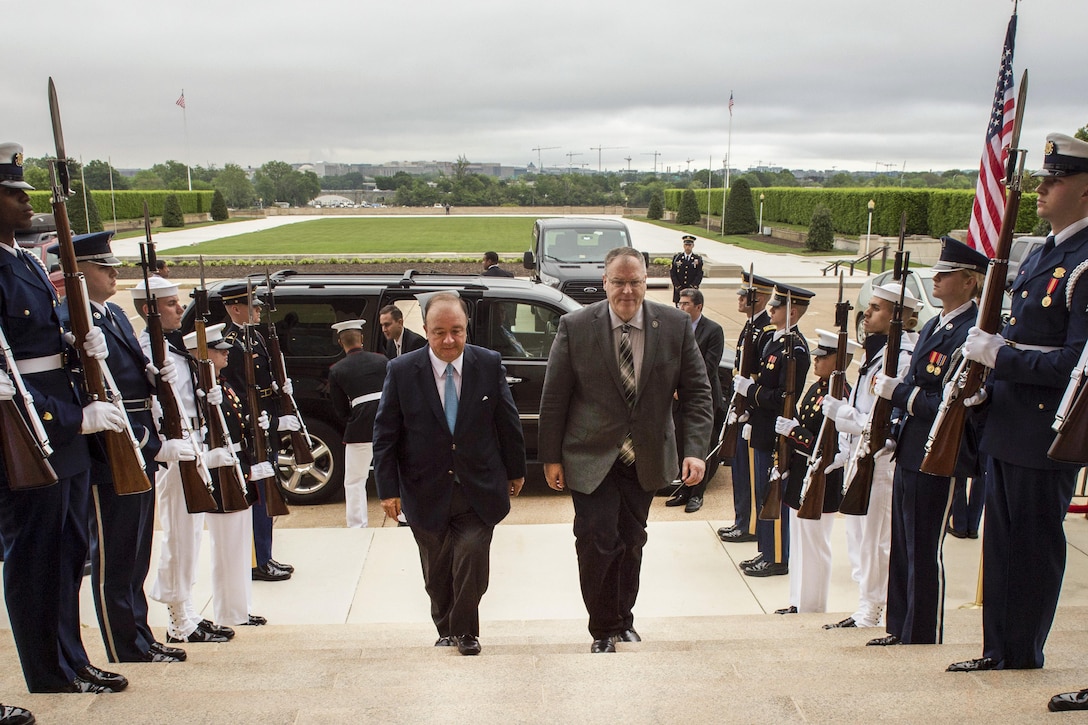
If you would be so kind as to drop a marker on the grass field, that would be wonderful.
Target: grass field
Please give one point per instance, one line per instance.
(472, 235)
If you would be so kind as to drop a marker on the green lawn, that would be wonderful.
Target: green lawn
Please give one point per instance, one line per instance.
(155, 228)
(474, 235)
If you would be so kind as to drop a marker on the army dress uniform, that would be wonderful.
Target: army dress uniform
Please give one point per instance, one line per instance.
(686, 270)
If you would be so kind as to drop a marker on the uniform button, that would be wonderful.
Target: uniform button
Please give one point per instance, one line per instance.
(1012, 320)
(26, 313)
(453, 447)
(450, 472)
(1024, 294)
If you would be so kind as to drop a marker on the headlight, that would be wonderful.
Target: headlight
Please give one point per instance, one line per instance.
(549, 280)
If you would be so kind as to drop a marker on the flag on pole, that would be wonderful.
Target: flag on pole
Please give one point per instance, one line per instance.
(730, 103)
(989, 206)
(181, 100)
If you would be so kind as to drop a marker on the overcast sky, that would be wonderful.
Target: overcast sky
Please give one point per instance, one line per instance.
(848, 84)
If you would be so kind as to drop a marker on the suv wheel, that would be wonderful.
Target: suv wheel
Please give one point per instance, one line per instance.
(322, 481)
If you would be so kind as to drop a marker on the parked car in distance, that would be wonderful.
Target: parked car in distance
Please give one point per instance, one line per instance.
(1021, 248)
(568, 253)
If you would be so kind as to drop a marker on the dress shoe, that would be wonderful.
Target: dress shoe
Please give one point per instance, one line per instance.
(600, 646)
(976, 665)
(736, 536)
(694, 504)
(726, 529)
(255, 621)
(267, 573)
(446, 641)
(197, 635)
(285, 567)
(12, 715)
(678, 499)
(158, 648)
(786, 610)
(1059, 703)
(847, 623)
(972, 534)
(749, 563)
(212, 628)
(627, 635)
(468, 644)
(767, 568)
(885, 641)
(85, 687)
(955, 532)
(112, 681)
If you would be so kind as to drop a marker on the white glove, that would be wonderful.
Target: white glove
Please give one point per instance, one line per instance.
(845, 422)
(841, 459)
(168, 373)
(101, 416)
(288, 387)
(746, 432)
(7, 390)
(288, 423)
(742, 384)
(261, 471)
(977, 399)
(175, 449)
(831, 406)
(264, 421)
(982, 347)
(783, 426)
(885, 386)
(214, 396)
(219, 458)
(95, 344)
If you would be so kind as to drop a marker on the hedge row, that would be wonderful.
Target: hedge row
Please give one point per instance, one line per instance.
(930, 212)
(130, 204)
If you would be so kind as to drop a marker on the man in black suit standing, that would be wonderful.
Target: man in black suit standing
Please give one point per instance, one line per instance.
(606, 432)
(492, 268)
(397, 339)
(448, 447)
(355, 386)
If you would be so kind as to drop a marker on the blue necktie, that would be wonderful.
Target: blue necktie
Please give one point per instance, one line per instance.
(451, 398)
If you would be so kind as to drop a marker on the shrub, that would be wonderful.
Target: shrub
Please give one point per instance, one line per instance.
(821, 233)
(740, 215)
(689, 208)
(219, 207)
(171, 212)
(77, 213)
(657, 209)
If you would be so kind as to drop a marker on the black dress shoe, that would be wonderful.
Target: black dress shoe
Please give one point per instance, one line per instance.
(694, 504)
(627, 635)
(726, 529)
(677, 499)
(197, 635)
(267, 573)
(12, 715)
(885, 641)
(972, 534)
(158, 648)
(955, 532)
(842, 624)
(468, 644)
(255, 621)
(786, 610)
(767, 568)
(749, 563)
(212, 628)
(600, 646)
(736, 536)
(1059, 703)
(979, 664)
(112, 681)
(446, 641)
(285, 567)
(89, 688)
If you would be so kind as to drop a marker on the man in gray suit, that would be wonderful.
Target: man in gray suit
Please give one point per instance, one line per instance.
(606, 431)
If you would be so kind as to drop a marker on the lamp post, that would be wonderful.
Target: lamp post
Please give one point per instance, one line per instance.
(869, 232)
(761, 213)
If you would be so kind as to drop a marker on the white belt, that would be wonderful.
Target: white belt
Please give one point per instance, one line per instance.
(33, 365)
(365, 398)
(1037, 348)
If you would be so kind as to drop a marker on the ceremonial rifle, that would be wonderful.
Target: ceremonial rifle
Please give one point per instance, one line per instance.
(300, 439)
(943, 445)
(122, 449)
(749, 358)
(772, 507)
(1071, 423)
(827, 440)
(26, 451)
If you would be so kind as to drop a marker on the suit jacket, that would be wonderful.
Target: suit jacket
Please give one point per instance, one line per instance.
(359, 373)
(496, 271)
(710, 337)
(409, 341)
(416, 456)
(584, 415)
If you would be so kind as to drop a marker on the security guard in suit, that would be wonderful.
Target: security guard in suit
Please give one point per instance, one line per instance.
(686, 269)
(1027, 493)
(920, 501)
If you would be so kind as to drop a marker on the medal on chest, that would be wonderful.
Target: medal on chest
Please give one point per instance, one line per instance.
(936, 362)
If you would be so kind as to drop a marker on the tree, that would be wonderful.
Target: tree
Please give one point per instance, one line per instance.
(174, 174)
(1082, 133)
(277, 181)
(657, 209)
(237, 189)
(821, 232)
(145, 180)
(77, 213)
(740, 215)
(171, 212)
(689, 208)
(219, 207)
(97, 175)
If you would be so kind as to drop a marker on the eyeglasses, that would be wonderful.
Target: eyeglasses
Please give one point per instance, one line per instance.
(625, 283)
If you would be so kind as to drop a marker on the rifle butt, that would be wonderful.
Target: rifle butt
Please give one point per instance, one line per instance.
(274, 501)
(23, 462)
(812, 508)
(1071, 443)
(231, 489)
(944, 441)
(729, 442)
(198, 499)
(772, 507)
(855, 502)
(300, 447)
(129, 476)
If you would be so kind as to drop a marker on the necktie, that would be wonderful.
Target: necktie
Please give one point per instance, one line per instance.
(451, 398)
(397, 344)
(627, 377)
(1048, 245)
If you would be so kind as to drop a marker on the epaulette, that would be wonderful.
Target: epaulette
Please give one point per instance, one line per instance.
(231, 336)
(768, 328)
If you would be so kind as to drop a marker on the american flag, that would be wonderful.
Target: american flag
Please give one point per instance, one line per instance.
(989, 204)
(181, 100)
(730, 103)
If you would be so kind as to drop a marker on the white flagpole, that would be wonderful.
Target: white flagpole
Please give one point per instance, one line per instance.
(728, 160)
(86, 204)
(113, 199)
(709, 186)
(185, 123)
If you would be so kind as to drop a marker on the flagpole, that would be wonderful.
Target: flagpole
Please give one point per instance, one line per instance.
(113, 199)
(86, 204)
(185, 123)
(728, 159)
(709, 186)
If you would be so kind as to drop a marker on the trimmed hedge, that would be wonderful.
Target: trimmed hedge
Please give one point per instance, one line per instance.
(130, 204)
(930, 212)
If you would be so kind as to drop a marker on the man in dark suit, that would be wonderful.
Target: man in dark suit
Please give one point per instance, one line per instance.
(355, 386)
(686, 270)
(920, 501)
(398, 340)
(492, 268)
(710, 338)
(606, 431)
(449, 449)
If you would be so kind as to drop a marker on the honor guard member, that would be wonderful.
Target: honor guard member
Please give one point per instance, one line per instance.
(869, 537)
(744, 513)
(230, 532)
(236, 301)
(355, 387)
(44, 529)
(121, 527)
(920, 501)
(765, 392)
(1028, 494)
(810, 543)
(686, 269)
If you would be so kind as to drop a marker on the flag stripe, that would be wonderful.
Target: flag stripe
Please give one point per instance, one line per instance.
(181, 100)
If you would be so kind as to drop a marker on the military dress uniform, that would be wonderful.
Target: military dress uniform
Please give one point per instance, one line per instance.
(685, 271)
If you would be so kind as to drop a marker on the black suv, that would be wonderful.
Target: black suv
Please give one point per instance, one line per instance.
(308, 304)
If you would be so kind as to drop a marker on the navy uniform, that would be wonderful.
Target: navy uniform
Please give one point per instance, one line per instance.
(920, 501)
(355, 387)
(1028, 494)
(766, 398)
(686, 269)
(744, 516)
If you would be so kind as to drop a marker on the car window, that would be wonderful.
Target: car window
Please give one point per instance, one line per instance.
(305, 328)
(927, 284)
(520, 329)
(582, 245)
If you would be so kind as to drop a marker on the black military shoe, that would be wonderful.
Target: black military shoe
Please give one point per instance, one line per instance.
(158, 648)
(197, 635)
(284, 567)
(767, 568)
(736, 536)
(842, 624)
(111, 681)
(213, 628)
(268, 573)
(1059, 703)
(12, 715)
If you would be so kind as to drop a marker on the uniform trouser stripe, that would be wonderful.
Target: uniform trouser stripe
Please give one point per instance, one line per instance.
(754, 514)
(940, 560)
(107, 628)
